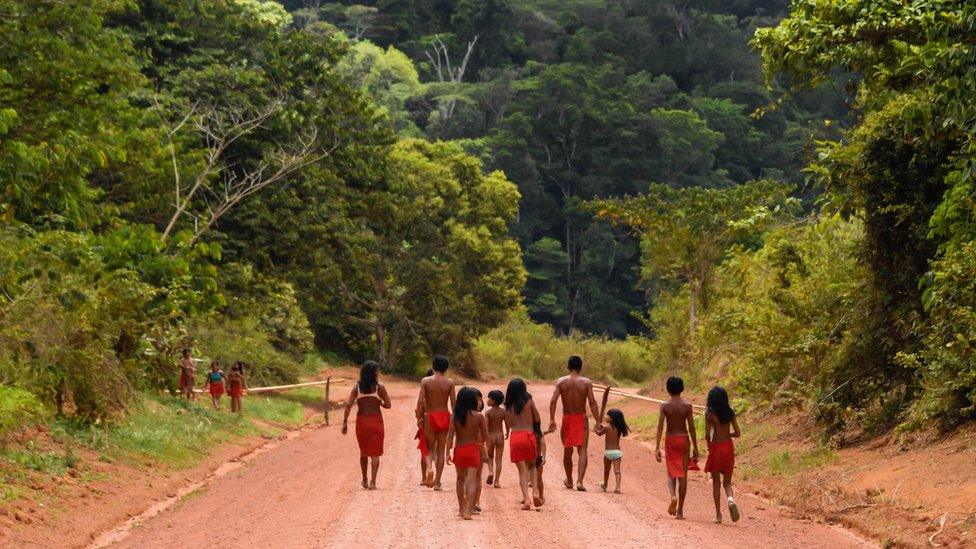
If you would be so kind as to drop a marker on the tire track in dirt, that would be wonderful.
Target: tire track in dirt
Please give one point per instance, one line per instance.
(306, 493)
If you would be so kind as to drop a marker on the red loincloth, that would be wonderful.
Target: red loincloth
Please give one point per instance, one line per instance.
(217, 389)
(422, 443)
(439, 421)
(236, 389)
(521, 444)
(721, 457)
(369, 434)
(573, 430)
(676, 455)
(468, 455)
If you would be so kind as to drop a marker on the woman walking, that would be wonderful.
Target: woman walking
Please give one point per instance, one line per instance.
(369, 396)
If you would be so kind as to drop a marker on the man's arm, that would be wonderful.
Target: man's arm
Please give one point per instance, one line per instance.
(660, 432)
(594, 408)
(453, 396)
(691, 432)
(450, 442)
(552, 408)
(421, 406)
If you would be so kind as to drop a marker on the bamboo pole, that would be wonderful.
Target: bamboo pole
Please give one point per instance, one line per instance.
(328, 383)
(293, 386)
(619, 392)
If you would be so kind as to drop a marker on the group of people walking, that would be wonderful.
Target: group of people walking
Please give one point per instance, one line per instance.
(217, 382)
(455, 427)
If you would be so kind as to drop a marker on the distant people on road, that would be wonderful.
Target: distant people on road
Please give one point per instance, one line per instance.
(469, 428)
(434, 415)
(496, 436)
(369, 396)
(188, 370)
(575, 391)
(215, 383)
(614, 427)
(720, 428)
(236, 385)
(523, 421)
(679, 418)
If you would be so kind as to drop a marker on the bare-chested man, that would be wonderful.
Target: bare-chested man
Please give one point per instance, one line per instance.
(576, 391)
(434, 416)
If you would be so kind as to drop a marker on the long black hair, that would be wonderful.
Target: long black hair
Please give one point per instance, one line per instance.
(368, 374)
(718, 404)
(617, 420)
(467, 402)
(516, 396)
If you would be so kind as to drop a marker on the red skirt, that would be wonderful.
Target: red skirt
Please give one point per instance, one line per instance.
(573, 430)
(370, 434)
(721, 457)
(439, 421)
(236, 390)
(522, 446)
(468, 455)
(217, 389)
(422, 443)
(676, 455)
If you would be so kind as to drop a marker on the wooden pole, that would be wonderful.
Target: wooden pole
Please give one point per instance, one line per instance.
(328, 383)
(618, 392)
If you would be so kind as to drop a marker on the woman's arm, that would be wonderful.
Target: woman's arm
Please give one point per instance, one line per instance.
(735, 428)
(384, 396)
(450, 442)
(345, 416)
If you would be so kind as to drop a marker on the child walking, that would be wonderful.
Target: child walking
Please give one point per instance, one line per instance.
(614, 426)
(679, 417)
(469, 427)
(215, 383)
(421, 438)
(237, 384)
(523, 421)
(496, 435)
(720, 428)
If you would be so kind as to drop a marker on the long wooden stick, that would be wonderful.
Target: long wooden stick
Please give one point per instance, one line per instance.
(293, 386)
(618, 392)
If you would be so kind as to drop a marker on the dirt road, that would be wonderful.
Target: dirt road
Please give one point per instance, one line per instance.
(306, 493)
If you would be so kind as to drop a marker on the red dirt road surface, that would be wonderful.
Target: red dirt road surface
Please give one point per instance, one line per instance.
(306, 493)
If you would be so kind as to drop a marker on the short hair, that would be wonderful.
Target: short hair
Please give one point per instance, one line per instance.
(575, 363)
(441, 364)
(675, 385)
(496, 396)
(186, 351)
(430, 372)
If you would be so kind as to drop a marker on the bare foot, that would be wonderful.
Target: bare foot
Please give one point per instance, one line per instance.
(617, 491)
(679, 516)
(603, 486)
(673, 508)
(537, 501)
(496, 485)
(579, 488)
(733, 510)
(526, 507)
(491, 479)
(466, 517)
(372, 486)
(568, 484)
(365, 484)
(437, 488)
(718, 520)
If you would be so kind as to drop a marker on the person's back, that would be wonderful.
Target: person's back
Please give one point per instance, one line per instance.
(438, 390)
(676, 413)
(496, 420)
(371, 403)
(576, 392)
(471, 431)
(677, 417)
(522, 420)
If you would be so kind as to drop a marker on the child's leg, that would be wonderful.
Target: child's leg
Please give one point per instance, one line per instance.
(363, 462)
(606, 473)
(423, 469)
(682, 492)
(523, 469)
(717, 495)
(374, 467)
(472, 484)
(727, 482)
(536, 494)
(538, 482)
(733, 508)
(441, 447)
(499, 455)
(479, 473)
(459, 488)
(616, 474)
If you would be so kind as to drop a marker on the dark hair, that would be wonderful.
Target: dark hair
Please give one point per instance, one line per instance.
(467, 402)
(675, 385)
(496, 396)
(575, 363)
(441, 364)
(186, 351)
(368, 374)
(214, 363)
(718, 404)
(617, 420)
(478, 397)
(430, 372)
(516, 396)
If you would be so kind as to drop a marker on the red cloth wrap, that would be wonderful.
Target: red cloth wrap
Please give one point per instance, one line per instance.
(468, 455)
(369, 434)
(521, 444)
(439, 421)
(236, 389)
(676, 455)
(217, 389)
(721, 457)
(573, 430)
(422, 443)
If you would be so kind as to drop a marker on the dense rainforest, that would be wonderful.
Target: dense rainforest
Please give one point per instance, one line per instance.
(775, 194)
